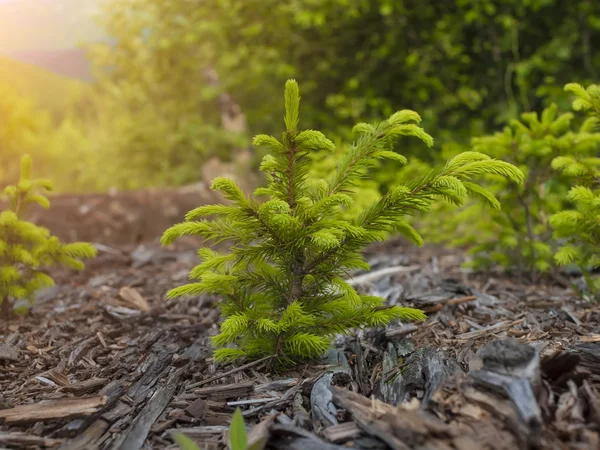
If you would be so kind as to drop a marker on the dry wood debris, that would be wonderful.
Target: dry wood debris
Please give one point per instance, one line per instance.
(104, 362)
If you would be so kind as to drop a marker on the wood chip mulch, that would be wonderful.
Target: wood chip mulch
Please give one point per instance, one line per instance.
(104, 362)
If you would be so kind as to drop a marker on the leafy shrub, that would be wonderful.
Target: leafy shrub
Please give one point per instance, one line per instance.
(282, 284)
(27, 249)
(579, 227)
(519, 236)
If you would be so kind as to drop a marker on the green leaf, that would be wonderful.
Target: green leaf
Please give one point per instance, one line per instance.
(237, 432)
(184, 442)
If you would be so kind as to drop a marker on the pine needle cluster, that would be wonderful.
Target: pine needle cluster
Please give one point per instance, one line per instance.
(283, 283)
(579, 227)
(26, 249)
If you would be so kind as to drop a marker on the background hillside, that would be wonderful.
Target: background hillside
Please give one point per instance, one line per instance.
(53, 36)
(49, 91)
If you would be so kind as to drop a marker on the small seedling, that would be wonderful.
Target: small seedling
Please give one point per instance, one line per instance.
(27, 249)
(578, 228)
(238, 439)
(283, 284)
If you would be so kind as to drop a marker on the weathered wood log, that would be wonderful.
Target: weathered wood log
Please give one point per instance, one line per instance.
(53, 410)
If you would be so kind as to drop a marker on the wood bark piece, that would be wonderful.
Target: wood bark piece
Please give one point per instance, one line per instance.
(593, 401)
(287, 437)
(392, 390)
(53, 410)
(559, 366)
(89, 439)
(8, 353)
(518, 390)
(86, 386)
(280, 402)
(96, 426)
(492, 329)
(342, 432)
(424, 370)
(400, 429)
(321, 396)
(277, 385)
(506, 414)
(377, 274)
(152, 369)
(207, 430)
(21, 440)
(135, 436)
(223, 391)
(513, 369)
(452, 301)
(197, 408)
(404, 330)
(511, 357)
(230, 372)
(590, 357)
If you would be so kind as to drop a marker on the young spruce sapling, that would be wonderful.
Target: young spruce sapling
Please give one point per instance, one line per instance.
(27, 249)
(282, 283)
(578, 228)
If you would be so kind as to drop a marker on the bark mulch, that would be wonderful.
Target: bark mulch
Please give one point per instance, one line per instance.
(104, 362)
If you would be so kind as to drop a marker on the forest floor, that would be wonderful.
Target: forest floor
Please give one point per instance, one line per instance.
(104, 362)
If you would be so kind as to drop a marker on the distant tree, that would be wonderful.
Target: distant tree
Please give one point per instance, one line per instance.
(21, 124)
(358, 60)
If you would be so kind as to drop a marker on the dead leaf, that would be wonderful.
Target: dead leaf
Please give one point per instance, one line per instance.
(133, 297)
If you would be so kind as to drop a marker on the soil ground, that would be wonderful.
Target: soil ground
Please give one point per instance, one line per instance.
(104, 362)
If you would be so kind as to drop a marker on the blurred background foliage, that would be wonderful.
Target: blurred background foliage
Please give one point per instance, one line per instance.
(152, 112)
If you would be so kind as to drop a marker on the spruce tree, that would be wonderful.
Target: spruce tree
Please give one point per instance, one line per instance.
(578, 228)
(282, 284)
(26, 249)
(520, 237)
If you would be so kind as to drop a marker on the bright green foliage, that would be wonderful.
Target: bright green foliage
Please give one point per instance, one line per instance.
(466, 65)
(49, 91)
(579, 228)
(185, 443)
(282, 284)
(238, 439)
(587, 100)
(26, 249)
(520, 236)
(237, 432)
(20, 124)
